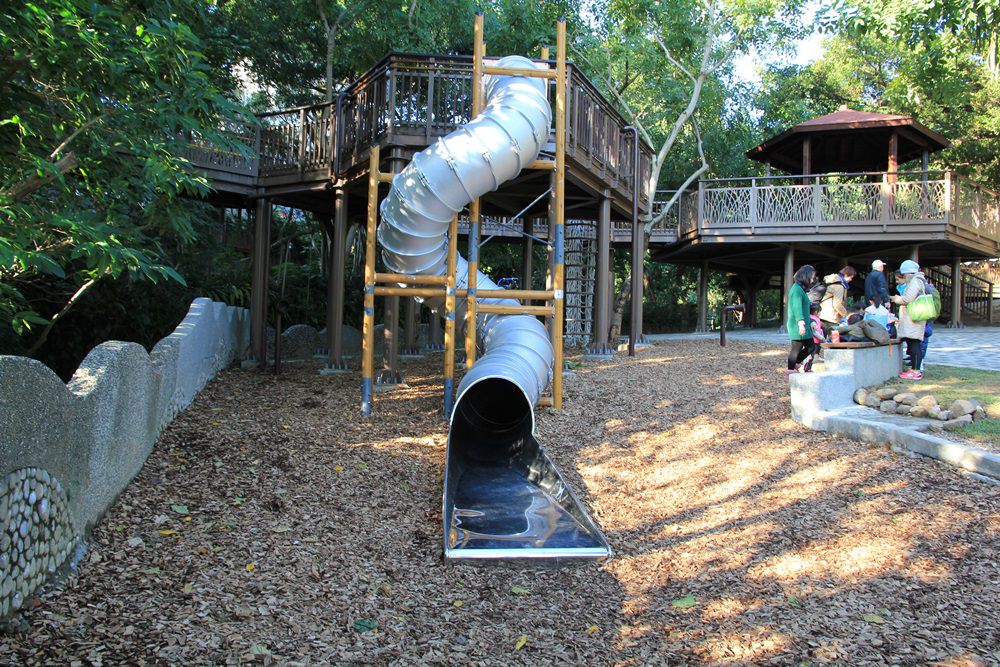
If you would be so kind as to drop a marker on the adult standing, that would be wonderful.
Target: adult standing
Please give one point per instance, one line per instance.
(876, 286)
(908, 330)
(799, 332)
(833, 307)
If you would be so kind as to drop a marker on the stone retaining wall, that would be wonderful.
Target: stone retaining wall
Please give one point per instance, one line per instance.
(68, 450)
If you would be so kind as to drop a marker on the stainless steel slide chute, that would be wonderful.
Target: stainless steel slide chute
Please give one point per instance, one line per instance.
(503, 496)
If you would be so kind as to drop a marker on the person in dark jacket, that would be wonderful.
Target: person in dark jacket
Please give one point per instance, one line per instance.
(876, 286)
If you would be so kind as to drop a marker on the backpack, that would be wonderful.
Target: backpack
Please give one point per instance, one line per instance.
(875, 331)
(817, 293)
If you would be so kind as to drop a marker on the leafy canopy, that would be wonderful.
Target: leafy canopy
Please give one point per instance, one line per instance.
(96, 102)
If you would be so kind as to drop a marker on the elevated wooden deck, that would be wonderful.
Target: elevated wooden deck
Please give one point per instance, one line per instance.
(743, 222)
(404, 103)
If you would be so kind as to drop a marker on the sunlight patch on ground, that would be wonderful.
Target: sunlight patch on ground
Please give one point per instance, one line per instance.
(743, 647)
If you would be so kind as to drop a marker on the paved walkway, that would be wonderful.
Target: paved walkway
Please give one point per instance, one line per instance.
(972, 347)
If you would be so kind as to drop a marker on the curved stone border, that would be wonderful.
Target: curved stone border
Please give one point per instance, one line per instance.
(77, 445)
(869, 425)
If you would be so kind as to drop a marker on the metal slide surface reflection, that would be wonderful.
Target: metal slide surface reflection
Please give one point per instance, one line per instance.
(513, 506)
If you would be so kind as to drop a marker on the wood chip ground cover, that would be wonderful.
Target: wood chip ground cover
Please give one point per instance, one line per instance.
(273, 525)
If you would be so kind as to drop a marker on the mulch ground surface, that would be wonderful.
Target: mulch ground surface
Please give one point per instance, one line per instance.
(274, 525)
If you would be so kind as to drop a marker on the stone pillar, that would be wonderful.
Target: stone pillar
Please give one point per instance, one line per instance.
(786, 284)
(599, 347)
(956, 294)
(702, 298)
(527, 253)
(260, 274)
(411, 328)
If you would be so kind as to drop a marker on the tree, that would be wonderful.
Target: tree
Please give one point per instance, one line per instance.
(96, 104)
(660, 58)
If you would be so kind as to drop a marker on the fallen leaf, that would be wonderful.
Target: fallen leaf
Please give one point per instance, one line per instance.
(167, 532)
(592, 629)
(521, 641)
(339, 468)
(685, 602)
(519, 590)
(135, 542)
(187, 588)
(259, 649)
(458, 603)
(251, 567)
(793, 601)
(364, 625)
(874, 618)
(186, 519)
(180, 509)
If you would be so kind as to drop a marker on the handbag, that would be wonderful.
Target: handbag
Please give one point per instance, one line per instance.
(927, 306)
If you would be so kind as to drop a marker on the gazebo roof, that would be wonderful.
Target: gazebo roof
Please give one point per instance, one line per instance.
(848, 141)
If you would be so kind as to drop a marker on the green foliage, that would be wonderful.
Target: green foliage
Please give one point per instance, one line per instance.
(96, 102)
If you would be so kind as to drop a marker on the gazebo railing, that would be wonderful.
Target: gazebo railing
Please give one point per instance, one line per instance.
(787, 204)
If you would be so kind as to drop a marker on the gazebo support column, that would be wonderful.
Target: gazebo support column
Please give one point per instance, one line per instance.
(261, 263)
(956, 294)
(786, 284)
(702, 298)
(335, 286)
(599, 348)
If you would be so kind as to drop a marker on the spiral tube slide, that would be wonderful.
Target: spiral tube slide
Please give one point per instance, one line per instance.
(503, 496)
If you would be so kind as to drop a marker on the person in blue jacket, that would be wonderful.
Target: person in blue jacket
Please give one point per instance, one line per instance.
(876, 286)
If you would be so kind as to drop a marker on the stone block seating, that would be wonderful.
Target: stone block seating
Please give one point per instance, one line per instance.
(847, 367)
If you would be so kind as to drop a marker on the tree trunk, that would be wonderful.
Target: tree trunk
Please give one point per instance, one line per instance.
(618, 310)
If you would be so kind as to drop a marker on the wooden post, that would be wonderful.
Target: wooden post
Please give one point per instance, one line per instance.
(956, 294)
(806, 156)
(560, 191)
(449, 320)
(410, 329)
(786, 284)
(434, 335)
(635, 316)
(260, 277)
(390, 374)
(915, 253)
(702, 298)
(335, 285)
(599, 347)
(368, 328)
(474, 218)
(893, 161)
(527, 253)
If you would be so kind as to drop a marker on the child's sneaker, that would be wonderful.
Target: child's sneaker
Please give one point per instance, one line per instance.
(911, 375)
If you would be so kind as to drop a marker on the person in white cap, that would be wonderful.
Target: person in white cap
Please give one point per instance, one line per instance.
(910, 331)
(876, 286)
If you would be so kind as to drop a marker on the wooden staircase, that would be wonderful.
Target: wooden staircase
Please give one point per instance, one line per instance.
(976, 294)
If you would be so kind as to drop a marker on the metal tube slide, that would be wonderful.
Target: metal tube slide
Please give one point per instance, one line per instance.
(491, 444)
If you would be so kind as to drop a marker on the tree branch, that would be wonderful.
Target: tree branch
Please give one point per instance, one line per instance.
(24, 188)
(69, 304)
(54, 154)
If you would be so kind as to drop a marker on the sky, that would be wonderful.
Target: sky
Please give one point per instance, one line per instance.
(807, 50)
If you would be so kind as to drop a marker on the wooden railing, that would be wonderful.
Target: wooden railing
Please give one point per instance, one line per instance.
(409, 100)
(834, 203)
(239, 159)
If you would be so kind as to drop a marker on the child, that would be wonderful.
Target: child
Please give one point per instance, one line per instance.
(817, 331)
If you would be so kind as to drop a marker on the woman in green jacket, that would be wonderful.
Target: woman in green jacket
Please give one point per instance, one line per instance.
(799, 332)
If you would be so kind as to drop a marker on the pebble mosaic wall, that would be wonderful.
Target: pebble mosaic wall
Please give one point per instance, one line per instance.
(37, 535)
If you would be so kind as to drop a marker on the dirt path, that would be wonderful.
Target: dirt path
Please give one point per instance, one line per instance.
(280, 533)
